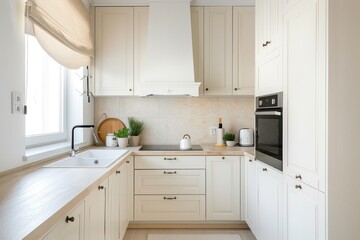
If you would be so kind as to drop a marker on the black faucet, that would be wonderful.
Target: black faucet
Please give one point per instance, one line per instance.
(73, 150)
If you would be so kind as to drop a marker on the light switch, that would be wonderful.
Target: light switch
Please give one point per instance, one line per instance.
(17, 102)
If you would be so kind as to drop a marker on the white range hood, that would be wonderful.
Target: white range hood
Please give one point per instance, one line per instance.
(169, 65)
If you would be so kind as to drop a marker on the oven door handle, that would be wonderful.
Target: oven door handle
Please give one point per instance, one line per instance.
(268, 113)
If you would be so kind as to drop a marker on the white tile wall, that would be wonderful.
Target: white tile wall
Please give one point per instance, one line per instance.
(167, 119)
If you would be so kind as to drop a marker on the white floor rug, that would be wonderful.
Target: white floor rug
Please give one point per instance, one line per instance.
(193, 237)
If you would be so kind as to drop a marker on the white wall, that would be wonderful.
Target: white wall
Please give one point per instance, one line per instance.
(167, 119)
(12, 49)
(344, 120)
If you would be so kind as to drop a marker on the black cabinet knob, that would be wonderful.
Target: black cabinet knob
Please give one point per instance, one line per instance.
(206, 89)
(100, 187)
(69, 219)
(118, 172)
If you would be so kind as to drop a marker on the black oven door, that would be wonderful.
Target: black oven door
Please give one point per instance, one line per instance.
(268, 138)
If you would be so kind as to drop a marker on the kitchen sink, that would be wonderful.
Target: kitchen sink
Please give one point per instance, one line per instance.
(89, 159)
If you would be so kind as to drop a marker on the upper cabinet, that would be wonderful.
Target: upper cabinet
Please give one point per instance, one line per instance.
(268, 47)
(223, 50)
(218, 51)
(114, 55)
(243, 50)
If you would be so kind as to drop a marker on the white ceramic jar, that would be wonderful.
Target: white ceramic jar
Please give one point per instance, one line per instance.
(111, 140)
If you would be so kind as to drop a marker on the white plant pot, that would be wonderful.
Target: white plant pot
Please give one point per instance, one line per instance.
(123, 142)
(134, 141)
(230, 143)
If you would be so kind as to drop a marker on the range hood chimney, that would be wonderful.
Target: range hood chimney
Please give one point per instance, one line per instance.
(169, 64)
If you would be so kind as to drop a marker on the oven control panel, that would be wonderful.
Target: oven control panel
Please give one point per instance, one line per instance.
(269, 101)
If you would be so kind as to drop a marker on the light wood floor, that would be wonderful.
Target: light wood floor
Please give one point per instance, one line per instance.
(141, 234)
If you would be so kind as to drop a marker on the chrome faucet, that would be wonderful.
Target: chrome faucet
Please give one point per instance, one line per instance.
(73, 150)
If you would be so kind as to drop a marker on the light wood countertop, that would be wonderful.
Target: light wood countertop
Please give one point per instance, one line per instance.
(35, 199)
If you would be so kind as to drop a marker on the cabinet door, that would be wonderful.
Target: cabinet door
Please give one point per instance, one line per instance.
(71, 227)
(218, 51)
(114, 51)
(113, 210)
(223, 188)
(95, 205)
(270, 198)
(305, 93)
(304, 216)
(269, 74)
(124, 215)
(130, 182)
(197, 27)
(141, 19)
(269, 15)
(251, 203)
(243, 50)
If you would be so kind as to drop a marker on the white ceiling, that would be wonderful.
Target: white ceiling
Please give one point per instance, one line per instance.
(193, 2)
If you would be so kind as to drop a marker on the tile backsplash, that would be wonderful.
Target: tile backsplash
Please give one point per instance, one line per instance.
(167, 119)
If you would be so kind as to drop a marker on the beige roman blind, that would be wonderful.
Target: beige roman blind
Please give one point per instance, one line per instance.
(63, 29)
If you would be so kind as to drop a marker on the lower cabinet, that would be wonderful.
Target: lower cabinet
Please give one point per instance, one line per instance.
(304, 216)
(251, 204)
(95, 211)
(70, 227)
(269, 223)
(223, 188)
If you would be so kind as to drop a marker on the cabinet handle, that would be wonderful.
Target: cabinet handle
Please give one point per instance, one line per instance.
(235, 89)
(222, 157)
(169, 198)
(266, 43)
(298, 177)
(69, 219)
(250, 160)
(130, 90)
(169, 158)
(100, 187)
(265, 169)
(206, 89)
(127, 161)
(118, 172)
(298, 187)
(169, 172)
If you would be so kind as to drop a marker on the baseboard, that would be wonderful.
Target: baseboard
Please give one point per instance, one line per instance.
(189, 225)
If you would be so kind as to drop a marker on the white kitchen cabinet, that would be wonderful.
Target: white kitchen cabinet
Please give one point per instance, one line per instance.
(269, 223)
(119, 202)
(304, 211)
(269, 15)
(197, 30)
(269, 21)
(70, 227)
(141, 19)
(251, 203)
(243, 50)
(305, 93)
(169, 207)
(114, 61)
(130, 187)
(95, 211)
(170, 162)
(218, 51)
(223, 187)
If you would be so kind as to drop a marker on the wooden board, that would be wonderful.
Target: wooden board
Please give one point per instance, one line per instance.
(109, 125)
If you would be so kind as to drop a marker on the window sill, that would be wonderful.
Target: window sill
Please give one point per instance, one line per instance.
(52, 150)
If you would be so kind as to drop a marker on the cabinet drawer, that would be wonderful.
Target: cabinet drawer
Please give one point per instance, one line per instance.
(170, 208)
(170, 182)
(170, 162)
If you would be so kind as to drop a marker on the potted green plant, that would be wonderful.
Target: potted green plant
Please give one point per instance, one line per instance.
(135, 129)
(230, 139)
(122, 137)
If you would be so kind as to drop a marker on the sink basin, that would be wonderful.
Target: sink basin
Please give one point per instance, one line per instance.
(90, 159)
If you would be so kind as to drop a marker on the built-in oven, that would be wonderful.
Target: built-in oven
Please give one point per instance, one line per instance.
(269, 130)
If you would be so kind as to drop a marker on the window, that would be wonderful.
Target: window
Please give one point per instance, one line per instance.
(45, 94)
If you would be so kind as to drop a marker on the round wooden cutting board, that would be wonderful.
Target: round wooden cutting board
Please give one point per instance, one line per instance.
(109, 125)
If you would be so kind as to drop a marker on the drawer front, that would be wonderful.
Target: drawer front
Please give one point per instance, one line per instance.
(169, 181)
(170, 162)
(170, 208)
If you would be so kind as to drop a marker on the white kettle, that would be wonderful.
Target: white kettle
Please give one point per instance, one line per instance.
(185, 143)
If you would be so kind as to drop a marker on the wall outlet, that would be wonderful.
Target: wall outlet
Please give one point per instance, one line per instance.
(213, 131)
(17, 102)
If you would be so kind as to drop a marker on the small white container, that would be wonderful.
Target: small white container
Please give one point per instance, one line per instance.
(111, 140)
